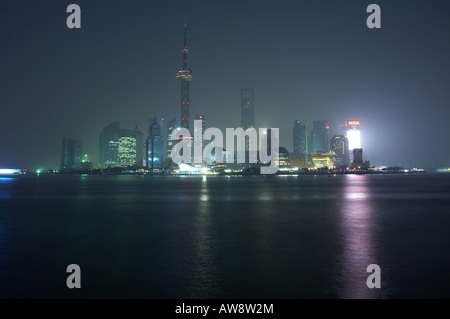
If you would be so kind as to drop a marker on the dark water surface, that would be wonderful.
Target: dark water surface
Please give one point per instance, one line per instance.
(225, 237)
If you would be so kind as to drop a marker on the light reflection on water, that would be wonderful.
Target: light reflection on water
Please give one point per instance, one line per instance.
(357, 214)
(223, 237)
(203, 272)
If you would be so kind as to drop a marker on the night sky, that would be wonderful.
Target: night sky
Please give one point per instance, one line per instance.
(306, 60)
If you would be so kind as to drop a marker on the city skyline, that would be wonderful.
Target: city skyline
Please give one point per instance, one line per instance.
(220, 158)
(74, 102)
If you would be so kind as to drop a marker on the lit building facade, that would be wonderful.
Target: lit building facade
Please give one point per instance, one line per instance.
(353, 134)
(127, 148)
(339, 145)
(322, 159)
(283, 158)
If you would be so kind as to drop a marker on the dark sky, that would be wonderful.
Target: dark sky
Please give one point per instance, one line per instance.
(306, 60)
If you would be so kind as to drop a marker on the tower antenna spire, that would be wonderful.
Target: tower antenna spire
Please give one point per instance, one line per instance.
(185, 48)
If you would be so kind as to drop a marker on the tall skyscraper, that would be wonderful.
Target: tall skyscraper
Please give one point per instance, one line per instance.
(339, 145)
(168, 143)
(185, 75)
(353, 134)
(247, 108)
(351, 131)
(300, 138)
(109, 145)
(71, 153)
(320, 136)
(155, 146)
(139, 147)
(127, 148)
(201, 118)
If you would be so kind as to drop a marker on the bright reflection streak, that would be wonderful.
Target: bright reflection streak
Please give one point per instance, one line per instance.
(358, 226)
(356, 196)
(203, 271)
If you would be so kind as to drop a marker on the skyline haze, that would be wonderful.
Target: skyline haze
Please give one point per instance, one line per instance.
(305, 61)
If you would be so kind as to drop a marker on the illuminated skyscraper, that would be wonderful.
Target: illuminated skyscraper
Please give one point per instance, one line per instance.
(71, 153)
(353, 134)
(127, 148)
(247, 109)
(300, 138)
(185, 75)
(339, 145)
(109, 145)
(320, 136)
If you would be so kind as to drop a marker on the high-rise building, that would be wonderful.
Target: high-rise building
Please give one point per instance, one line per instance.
(339, 145)
(139, 147)
(320, 136)
(300, 138)
(358, 159)
(353, 134)
(168, 143)
(155, 146)
(357, 155)
(247, 109)
(201, 118)
(127, 148)
(109, 145)
(71, 153)
(185, 75)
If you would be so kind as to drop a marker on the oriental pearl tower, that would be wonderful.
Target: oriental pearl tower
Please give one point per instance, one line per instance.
(185, 75)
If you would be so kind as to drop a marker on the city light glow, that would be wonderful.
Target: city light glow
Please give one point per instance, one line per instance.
(9, 171)
(354, 139)
(353, 123)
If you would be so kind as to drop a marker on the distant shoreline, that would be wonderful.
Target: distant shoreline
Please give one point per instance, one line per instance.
(309, 173)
